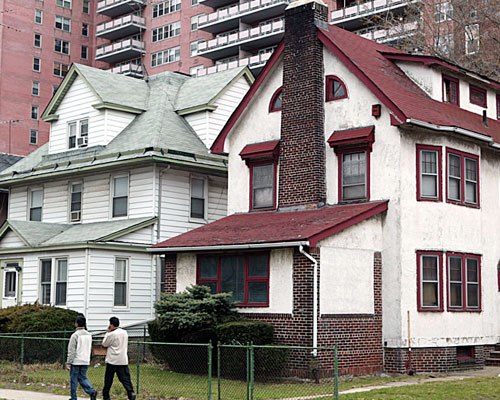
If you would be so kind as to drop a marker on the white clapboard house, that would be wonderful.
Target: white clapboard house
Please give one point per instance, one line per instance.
(127, 165)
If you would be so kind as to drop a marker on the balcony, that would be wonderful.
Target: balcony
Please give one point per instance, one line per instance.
(129, 69)
(120, 51)
(249, 13)
(389, 35)
(114, 8)
(255, 63)
(217, 3)
(352, 18)
(122, 27)
(266, 35)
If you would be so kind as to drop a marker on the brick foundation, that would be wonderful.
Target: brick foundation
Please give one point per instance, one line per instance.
(169, 273)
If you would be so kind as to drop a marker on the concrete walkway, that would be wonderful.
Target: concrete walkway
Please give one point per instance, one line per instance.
(486, 372)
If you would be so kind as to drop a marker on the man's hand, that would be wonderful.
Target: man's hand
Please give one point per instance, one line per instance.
(68, 367)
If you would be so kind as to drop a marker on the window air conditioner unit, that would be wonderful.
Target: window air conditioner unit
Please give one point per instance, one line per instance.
(75, 216)
(82, 141)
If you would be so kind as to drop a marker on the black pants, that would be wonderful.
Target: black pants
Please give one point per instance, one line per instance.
(123, 374)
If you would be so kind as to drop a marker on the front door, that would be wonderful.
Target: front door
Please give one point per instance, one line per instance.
(10, 290)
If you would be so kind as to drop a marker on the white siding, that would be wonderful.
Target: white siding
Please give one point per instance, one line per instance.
(144, 235)
(18, 203)
(141, 193)
(115, 122)
(10, 239)
(199, 123)
(96, 198)
(55, 202)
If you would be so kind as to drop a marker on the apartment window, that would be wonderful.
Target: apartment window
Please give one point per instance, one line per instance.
(38, 16)
(60, 69)
(75, 210)
(198, 196)
(84, 53)
(276, 103)
(443, 12)
(86, 6)
(472, 39)
(78, 133)
(462, 178)
(477, 96)
(450, 90)
(167, 31)
(33, 136)
(85, 29)
(429, 281)
(245, 276)
(36, 64)
(34, 112)
(194, 2)
(35, 204)
(37, 40)
(194, 48)
(53, 283)
(444, 43)
(262, 185)
(120, 196)
(166, 7)
(64, 3)
(35, 88)
(335, 89)
(166, 56)
(63, 23)
(121, 282)
(61, 46)
(354, 167)
(464, 282)
(429, 173)
(194, 22)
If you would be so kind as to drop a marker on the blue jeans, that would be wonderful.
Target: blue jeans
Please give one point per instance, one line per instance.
(78, 375)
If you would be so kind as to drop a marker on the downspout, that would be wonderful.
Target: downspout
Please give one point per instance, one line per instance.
(87, 281)
(315, 299)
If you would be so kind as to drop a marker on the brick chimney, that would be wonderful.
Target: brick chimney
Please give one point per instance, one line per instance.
(302, 180)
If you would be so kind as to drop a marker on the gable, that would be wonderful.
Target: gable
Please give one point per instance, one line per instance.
(11, 240)
(143, 236)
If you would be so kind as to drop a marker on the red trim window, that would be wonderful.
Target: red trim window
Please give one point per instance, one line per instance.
(354, 173)
(451, 92)
(276, 103)
(429, 187)
(246, 276)
(429, 281)
(335, 88)
(464, 282)
(477, 96)
(263, 184)
(462, 178)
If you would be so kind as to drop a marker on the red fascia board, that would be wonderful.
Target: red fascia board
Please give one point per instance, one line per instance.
(376, 209)
(361, 76)
(352, 136)
(218, 145)
(260, 150)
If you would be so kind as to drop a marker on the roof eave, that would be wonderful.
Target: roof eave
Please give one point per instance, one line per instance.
(117, 107)
(195, 109)
(242, 246)
(130, 247)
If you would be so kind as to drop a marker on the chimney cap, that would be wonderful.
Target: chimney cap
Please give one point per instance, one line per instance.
(298, 3)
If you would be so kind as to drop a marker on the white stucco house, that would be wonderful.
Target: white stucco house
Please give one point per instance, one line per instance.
(364, 191)
(126, 165)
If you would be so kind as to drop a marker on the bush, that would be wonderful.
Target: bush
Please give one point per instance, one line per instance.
(244, 332)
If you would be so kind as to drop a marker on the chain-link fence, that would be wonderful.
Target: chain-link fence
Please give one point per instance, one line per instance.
(179, 370)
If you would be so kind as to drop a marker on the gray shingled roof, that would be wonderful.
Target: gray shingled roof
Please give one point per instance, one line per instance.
(6, 160)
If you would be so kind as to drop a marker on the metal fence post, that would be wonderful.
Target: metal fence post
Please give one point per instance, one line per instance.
(248, 371)
(252, 369)
(22, 351)
(218, 371)
(210, 348)
(64, 346)
(138, 367)
(336, 372)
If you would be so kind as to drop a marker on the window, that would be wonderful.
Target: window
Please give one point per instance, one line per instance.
(45, 281)
(194, 48)
(477, 96)
(429, 281)
(38, 16)
(75, 210)
(78, 133)
(246, 276)
(36, 64)
(462, 178)
(276, 103)
(10, 286)
(444, 43)
(86, 6)
(121, 274)
(37, 40)
(53, 283)
(166, 7)
(354, 167)
(63, 23)
(120, 196)
(194, 2)
(194, 22)
(262, 185)
(60, 69)
(84, 52)
(464, 282)
(443, 12)
(167, 31)
(35, 204)
(335, 89)
(61, 46)
(198, 196)
(166, 56)
(33, 136)
(34, 112)
(61, 281)
(450, 90)
(429, 173)
(85, 29)
(472, 39)
(35, 88)
(64, 3)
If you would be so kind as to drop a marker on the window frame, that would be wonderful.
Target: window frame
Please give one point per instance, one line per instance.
(61, 46)
(272, 104)
(62, 69)
(85, 29)
(463, 179)
(84, 52)
(37, 39)
(35, 132)
(113, 197)
(329, 95)
(37, 64)
(205, 198)
(420, 282)
(126, 282)
(70, 202)
(340, 152)
(38, 16)
(472, 39)
(252, 163)
(86, 6)
(35, 88)
(165, 32)
(53, 283)
(63, 22)
(481, 91)
(454, 81)
(164, 56)
(30, 203)
(439, 152)
(57, 281)
(464, 282)
(35, 112)
(64, 4)
(246, 280)
(165, 8)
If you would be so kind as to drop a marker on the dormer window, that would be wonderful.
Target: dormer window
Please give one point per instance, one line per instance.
(450, 90)
(276, 103)
(78, 132)
(477, 96)
(335, 89)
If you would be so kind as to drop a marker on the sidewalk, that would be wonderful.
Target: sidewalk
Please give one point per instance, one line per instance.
(457, 376)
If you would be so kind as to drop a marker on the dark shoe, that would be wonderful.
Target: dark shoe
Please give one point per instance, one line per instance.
(93, 396)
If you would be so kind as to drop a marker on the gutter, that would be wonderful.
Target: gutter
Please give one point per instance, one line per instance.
(227, 247)
(454, 129)
(315, 298)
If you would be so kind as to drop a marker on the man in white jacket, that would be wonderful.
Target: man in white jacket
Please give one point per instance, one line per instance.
(79, 349)
(116, 342)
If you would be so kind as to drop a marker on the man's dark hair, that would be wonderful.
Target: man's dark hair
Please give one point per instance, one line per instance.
(81, 322)
(114, 321)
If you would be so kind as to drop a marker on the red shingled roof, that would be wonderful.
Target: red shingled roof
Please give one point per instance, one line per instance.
(350, 136)
(275, 227)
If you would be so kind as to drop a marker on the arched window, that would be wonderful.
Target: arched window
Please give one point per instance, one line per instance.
(276, 101)
(335, 88)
